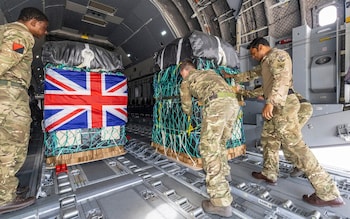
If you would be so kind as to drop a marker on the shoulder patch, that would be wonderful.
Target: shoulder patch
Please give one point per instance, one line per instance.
(17, 47)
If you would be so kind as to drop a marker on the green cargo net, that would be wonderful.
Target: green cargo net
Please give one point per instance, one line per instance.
(172, 128)
(78, 140)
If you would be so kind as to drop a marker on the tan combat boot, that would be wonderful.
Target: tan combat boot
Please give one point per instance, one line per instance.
(208, 207)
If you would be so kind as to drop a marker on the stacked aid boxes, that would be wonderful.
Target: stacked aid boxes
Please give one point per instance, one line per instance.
(85, 103)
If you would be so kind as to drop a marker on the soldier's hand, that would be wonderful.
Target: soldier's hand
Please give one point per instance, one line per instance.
(267, 111)
(236, 88)
(260, 98)
(200, 103)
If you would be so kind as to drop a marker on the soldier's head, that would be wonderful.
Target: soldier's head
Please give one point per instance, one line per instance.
(258, 48)
(185, 67)
(35, 20)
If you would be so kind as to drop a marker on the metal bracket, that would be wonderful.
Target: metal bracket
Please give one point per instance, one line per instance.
(343, 131)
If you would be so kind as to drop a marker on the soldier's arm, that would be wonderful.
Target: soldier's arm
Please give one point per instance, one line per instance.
(244, 76)
(257, 92)
(186, 98)
(13, 48)
(279, 68)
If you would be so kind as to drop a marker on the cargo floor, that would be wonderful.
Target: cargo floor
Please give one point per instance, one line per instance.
(145, 184)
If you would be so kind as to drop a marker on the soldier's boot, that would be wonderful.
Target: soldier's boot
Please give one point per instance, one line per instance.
(22, 190)
(208, 207)
(259, 175)
(16, 204)
(313, 199)
(296, 172)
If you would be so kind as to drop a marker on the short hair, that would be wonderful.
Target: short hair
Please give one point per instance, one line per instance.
(29, 13)
(186, 63)
(257, 41)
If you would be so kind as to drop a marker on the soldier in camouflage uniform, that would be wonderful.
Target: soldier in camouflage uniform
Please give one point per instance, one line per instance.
(281, 127)
(220, 110)
(16, 43)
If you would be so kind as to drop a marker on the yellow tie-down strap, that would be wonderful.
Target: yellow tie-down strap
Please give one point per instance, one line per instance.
(225, 94)
(219, 94)
(190, 127)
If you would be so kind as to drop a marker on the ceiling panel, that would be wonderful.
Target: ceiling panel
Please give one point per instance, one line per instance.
(145, 10)
(156, 27)
(12, 8)
(120, 34)
(84, 27)
(133, 22)
(125, 7)
(55, 14)
(142, 45)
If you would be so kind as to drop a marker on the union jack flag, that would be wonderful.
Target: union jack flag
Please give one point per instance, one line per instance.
(79, 99)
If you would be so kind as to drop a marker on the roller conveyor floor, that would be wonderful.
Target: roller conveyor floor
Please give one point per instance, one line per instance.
(145, 184)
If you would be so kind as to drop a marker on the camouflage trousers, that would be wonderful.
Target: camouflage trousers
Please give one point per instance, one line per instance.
(284, 131)
(219, 116)
(304, 114)
(14, 137)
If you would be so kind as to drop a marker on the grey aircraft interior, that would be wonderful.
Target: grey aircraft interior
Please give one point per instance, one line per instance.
(141, 181)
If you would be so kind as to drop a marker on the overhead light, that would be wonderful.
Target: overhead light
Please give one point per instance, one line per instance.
(163, 33)
(128, 55)
(94, 20)
(102, 8)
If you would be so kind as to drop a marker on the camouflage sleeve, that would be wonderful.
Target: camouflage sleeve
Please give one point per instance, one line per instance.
(248, 75)
(279, 66)
(252, 93)
(14, 46)
(300, 97)
(186, 98)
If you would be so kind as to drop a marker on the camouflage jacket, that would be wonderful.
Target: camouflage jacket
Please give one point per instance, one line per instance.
(201, 84)
(16, 54)
(276, 72)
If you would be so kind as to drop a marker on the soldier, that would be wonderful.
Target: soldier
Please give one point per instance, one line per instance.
(281, 127)
(16, 43)
(220, 110)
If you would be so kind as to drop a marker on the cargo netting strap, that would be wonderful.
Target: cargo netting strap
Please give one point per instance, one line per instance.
(172, 128)
(77, 140)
